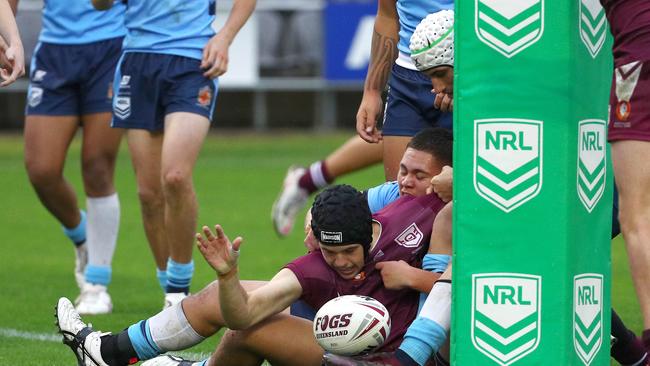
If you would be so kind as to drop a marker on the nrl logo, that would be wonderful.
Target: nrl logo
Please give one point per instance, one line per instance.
(593, 25)
(587, 315)
(591, 161)
(509, 26)
(506, 315)
(507, 161)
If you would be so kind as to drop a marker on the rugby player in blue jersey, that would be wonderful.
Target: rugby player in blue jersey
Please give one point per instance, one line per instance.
(70, 87)
(165, 89)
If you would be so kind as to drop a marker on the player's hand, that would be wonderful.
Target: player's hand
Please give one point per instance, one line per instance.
(215, 56)
(442, 184)
(367, 115)
(12, 63)
(444, 102)
(217, 249)
(394, 274)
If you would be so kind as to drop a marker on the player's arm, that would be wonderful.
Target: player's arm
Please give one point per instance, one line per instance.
(215, 53)
(383, 52)
(398, 275)
(242, 309)
(102, 4)
(12, 62)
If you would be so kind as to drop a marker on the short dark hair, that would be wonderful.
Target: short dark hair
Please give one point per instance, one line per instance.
(436, 141)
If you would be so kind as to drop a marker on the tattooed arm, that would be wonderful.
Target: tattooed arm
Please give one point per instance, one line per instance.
(382, 56)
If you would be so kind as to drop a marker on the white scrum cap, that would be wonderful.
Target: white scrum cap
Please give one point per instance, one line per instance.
(432, 43)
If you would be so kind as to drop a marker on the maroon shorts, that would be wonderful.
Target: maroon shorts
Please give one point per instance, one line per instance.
(629, 102)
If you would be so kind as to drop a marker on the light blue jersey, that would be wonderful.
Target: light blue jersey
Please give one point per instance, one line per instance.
(411, 13)
(173, 27)
(77, 22)
(382, 195)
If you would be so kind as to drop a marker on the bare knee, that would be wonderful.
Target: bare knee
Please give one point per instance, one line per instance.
(176, 181)
(42, 175)
(151, 201)
(203, 310)
(98, 174)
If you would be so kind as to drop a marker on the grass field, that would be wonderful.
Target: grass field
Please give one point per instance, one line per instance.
(237, 179)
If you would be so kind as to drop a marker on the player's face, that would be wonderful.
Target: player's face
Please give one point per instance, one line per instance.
(442, 79)
(415, 172)
(346, 260)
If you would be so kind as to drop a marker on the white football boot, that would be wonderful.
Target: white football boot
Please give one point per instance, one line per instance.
(290, 201)
(80, 262)
(82, 340)
(173, 298)
(169, 360)
(94, 300)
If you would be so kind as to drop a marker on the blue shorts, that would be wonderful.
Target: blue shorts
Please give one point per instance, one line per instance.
(72, 80)
(409, 104)
(149, 86)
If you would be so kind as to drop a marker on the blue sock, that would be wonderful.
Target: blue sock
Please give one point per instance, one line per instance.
(179, 276)
(77, 234)
(423, 339)
(98, 275)
(204, 362)
(436, 263)
(161, 274)
(140, 337)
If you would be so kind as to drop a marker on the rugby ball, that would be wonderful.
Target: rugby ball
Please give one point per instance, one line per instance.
(351, 325)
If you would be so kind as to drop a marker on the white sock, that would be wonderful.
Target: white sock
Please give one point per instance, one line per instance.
(103, 224)
(171, 331)
(437, 307)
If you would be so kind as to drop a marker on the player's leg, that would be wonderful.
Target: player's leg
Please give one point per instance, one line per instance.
(98, 155)
(299, 182)
(633, 180)
(187, 99)
(282, 340)
(145, 148)
(47, 139)
(174, 328)
(627, 348)
(51, 121)
(99, 152)
(184, 136)
(428, 332)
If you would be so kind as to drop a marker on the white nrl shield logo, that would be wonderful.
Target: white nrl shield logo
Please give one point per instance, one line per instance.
(508, 161)
(592, 164)
(593, 25)
(587, 315)
(509, 26)
(122, 107)
(506, 314)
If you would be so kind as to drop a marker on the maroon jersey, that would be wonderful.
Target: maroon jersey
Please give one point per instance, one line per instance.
(629, 107)
(405, 232)
(629, 21)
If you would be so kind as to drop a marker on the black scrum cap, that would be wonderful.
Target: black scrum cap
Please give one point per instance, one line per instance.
(340, 216)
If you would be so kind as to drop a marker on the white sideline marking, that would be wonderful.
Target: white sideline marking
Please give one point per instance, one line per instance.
(32, 336)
